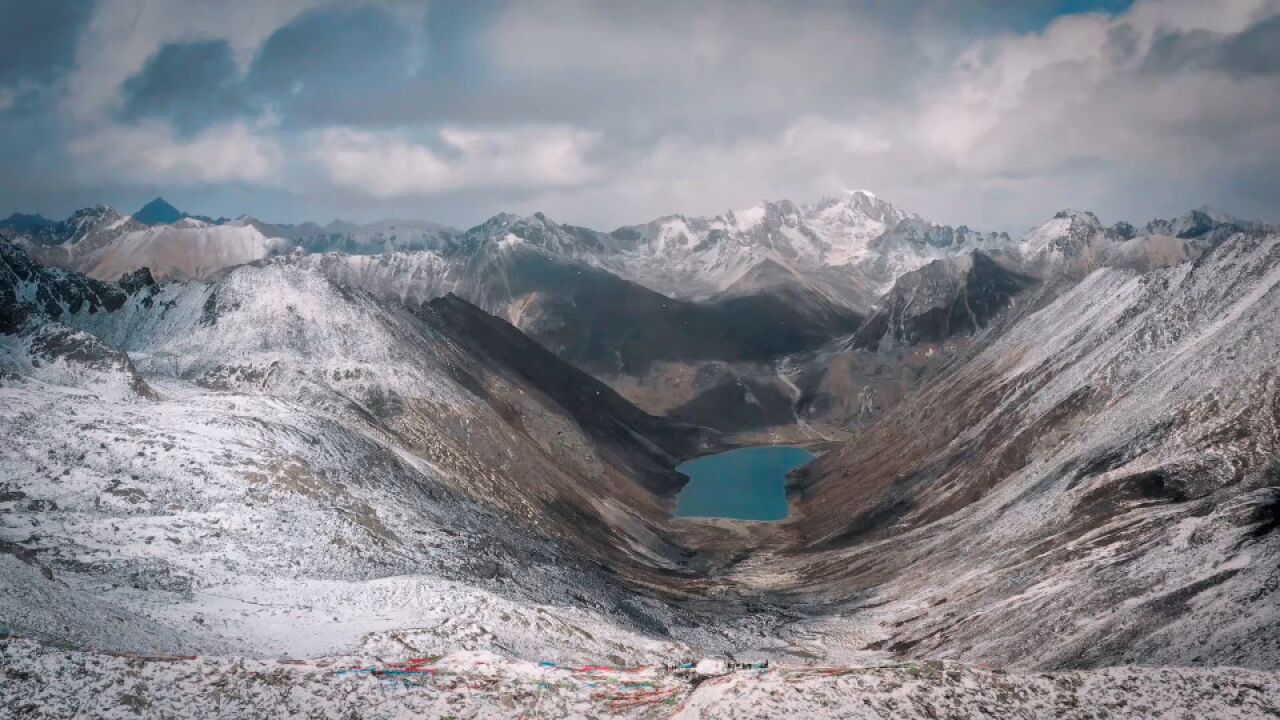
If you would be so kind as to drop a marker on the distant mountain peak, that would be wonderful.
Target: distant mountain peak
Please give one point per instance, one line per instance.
(1199, 222)
(861, 203)
(158, 212)
(1073, 214)
(26, 222)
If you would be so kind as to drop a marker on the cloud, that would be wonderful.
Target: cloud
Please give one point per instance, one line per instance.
(810, 157)
(151, 152)
(1102, 108)
(332, 64)
(390, 164)
(967, 111)
(191, 84)
(123, 34)
(38, 39)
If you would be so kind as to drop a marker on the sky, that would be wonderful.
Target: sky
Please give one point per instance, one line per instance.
(993, 114)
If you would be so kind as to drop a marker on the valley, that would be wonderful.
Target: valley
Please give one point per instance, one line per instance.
(359, 445)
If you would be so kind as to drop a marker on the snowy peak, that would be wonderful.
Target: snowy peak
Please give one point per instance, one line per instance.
(506, 230)
(1200, 222)
(1066, 232)
(86, 223)
(829, 245)
(923, 235)
(96, 217)
(771, 214)
(853, 205)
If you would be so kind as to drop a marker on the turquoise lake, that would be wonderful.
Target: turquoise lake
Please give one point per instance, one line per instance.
(744, 484)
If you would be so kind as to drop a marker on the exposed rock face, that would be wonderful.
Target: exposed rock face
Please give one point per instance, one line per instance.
(946, 298)
(28, 290)
(158, 212)
(591, 317)
(33, 302)
(1100, 462)
(613, 423)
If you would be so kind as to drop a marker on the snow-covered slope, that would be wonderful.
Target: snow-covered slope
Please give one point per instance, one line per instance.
(186, 249)
(273, 463)
(278, 462)
(103, 244)
(1098, 484)
(57, 682)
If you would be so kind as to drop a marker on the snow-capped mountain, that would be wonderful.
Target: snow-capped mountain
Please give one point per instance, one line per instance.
(95, 226)
(1107, 459)
(588, 315)
(1079, 469)
(104, 244)
(848, 248)
(283, 436)
(358, 239)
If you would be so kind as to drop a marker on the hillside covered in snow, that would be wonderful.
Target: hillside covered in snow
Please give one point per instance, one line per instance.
(1052, 454)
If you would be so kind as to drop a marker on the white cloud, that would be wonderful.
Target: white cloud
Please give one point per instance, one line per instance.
(390, 164)
(612, 113)
(151, 152)
(1004, 132)
(811, 156)
(123, 34)
(1034, 102)
(685, 62)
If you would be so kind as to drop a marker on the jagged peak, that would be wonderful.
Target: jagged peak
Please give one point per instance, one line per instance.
(504, 221)
(1197, 222)
(99, 210)
(861, 202)
(1081, 215)
(22, 222)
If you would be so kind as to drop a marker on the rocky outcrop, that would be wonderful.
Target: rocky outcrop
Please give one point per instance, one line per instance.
(944, 299)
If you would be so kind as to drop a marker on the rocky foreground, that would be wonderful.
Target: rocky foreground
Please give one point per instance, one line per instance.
(42, 681)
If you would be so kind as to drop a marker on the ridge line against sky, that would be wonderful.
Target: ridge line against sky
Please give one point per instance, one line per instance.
(989, 114)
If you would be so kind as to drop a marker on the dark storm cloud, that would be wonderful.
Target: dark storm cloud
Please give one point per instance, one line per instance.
(1253, 51)
(38, 38)
(326, 66)
(1256, 51)
(192, 84)
(331, 65)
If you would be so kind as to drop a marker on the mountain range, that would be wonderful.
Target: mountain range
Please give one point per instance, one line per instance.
(1057, 454)
(681, 314)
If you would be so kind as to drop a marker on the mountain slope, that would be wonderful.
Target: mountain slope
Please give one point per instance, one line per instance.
(591, 317)
(847, 249)
(1107, 461)
(943, 299)
(158, 212)
(272, 440)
